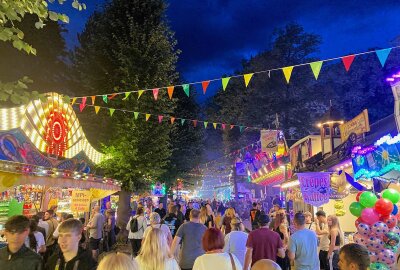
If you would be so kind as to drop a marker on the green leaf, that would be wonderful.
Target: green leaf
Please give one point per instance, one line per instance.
(39, 25)
(53, 16)
(63, 18)
(20, 34)
(18, 44)
(75, 4)
(83, 5)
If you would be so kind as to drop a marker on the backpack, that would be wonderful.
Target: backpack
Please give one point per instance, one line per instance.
(134, 224)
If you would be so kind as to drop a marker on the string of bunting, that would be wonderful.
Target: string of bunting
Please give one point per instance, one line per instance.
(287, 72)
(172, 119)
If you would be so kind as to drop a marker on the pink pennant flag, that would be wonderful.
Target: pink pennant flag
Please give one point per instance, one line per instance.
(232, 126)
(155, 93)
(223, 126)
(347, 61)
(205, 84)
(81, 107)
(160, 118)
(84, 101)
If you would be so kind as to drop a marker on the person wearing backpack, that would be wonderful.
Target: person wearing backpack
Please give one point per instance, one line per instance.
(136, 226)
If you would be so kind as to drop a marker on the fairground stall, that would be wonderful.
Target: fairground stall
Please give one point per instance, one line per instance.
(46, 160)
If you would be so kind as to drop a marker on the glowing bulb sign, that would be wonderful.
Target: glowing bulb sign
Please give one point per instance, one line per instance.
(56, 135)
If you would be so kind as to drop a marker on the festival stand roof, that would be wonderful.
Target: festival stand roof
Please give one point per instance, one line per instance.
(43, 143)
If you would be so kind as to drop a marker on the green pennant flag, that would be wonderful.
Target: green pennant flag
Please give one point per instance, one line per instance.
(316, 68)
(241, 129)
(225, 82)
(136, 115)
(126, 95)
(105, 98)
(183, 121)
(112, 111)
(205, 124)
(186, 89)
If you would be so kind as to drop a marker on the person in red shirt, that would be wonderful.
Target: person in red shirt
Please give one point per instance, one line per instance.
(263, 243)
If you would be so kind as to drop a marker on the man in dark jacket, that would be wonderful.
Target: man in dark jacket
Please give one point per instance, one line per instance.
(70, 257)
(171, 219)
(16, 256)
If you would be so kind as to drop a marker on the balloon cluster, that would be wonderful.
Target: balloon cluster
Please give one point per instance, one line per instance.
(377, 226)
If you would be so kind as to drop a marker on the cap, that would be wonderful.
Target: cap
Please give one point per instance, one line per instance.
(263, 219)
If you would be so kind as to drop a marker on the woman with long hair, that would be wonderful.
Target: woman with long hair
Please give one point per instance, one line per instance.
(235, 241)
(155, 222)
(226, 221)
(109, 228)
(282, 228)
(35, 239)
(117, 261)
(336, 241)
(207, 216)
(215, 257)
(155, 253)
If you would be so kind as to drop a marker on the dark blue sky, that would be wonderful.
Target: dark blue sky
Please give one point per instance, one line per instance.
(215, 35)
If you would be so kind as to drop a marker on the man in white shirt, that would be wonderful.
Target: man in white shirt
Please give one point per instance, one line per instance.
(95, 227)
(322, 231)
(309, 223)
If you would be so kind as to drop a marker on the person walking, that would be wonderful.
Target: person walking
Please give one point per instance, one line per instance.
(190, 234)
(109, 228)
(161, 210)
(16, 256)
(171, 219)
(336, 241)
(303, 245)
(118, 261)
(35, 239)
(254, 212)
(155, 253)
(322, 230)
(187, 212)
(51, 242)
(215, 257)
(235, 241)
(95, 226)
(155, 222)
(263, 243)
(281, 227)
(226, 221)
(136, 226)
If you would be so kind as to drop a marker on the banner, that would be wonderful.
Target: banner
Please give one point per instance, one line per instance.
(315, 187)
(241, 168)
(80, 200)
(269, 141)
(396, 94)
(357, 125)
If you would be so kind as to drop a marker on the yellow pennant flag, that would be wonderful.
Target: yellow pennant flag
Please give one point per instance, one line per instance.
(287, 71)
(215, 125)
(140, 93)
(247, 78)
(147, 116)
(97, 109)
(73, 101)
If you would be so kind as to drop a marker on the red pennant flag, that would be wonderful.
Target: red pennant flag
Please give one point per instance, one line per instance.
(172, 120)
(347, 61)
(81, 106)
(84, 101)
(194, 123)
(170, 91)
(205, 85)
(155, 93)
(112, 96)
(232, 126)
(223, 126)
(160, 118)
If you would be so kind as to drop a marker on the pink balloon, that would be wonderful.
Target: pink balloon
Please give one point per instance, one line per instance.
(379, 229)
(375, 244)
(359, 239)
(369, 216)
(373, 256)
(387, 256)
(364, 229)
(396, 230)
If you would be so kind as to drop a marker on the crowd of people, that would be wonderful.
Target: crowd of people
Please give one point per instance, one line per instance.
(169, 239)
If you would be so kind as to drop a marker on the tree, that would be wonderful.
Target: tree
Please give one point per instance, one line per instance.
(128, 45)
(12, 12)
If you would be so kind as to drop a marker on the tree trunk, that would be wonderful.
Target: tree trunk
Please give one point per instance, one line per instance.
(123, 213)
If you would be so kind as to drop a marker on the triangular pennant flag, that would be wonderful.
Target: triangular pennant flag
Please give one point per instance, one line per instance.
(182, 121)
(110, 97)
(347, 61)
(105, 98)
(383, 55)
(96, 109)
(215, 125)
(160, 118)
(84, 101)
(73, 101)
(223, 126)
(316, 68)
(241, 128)
(93, 99)
(172, 119)
(186, 88)
(81, 106)
(205, 124)
(170, 91)
(112, 111)
(205, 84)
(232, 126)
(140, 93)
(247, 78)
(194, 123)
(147, 116)
(136, 114)
(155, 93)
(287, 71)
(269, 74)
(225, 82)
(126, 95)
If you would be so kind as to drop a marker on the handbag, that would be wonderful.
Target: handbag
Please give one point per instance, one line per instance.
(232, 262)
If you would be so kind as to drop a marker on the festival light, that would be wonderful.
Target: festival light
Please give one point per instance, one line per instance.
(290, 184)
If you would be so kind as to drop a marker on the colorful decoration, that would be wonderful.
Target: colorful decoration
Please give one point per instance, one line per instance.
(315, 187)
(377, 228)
(158, 190)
